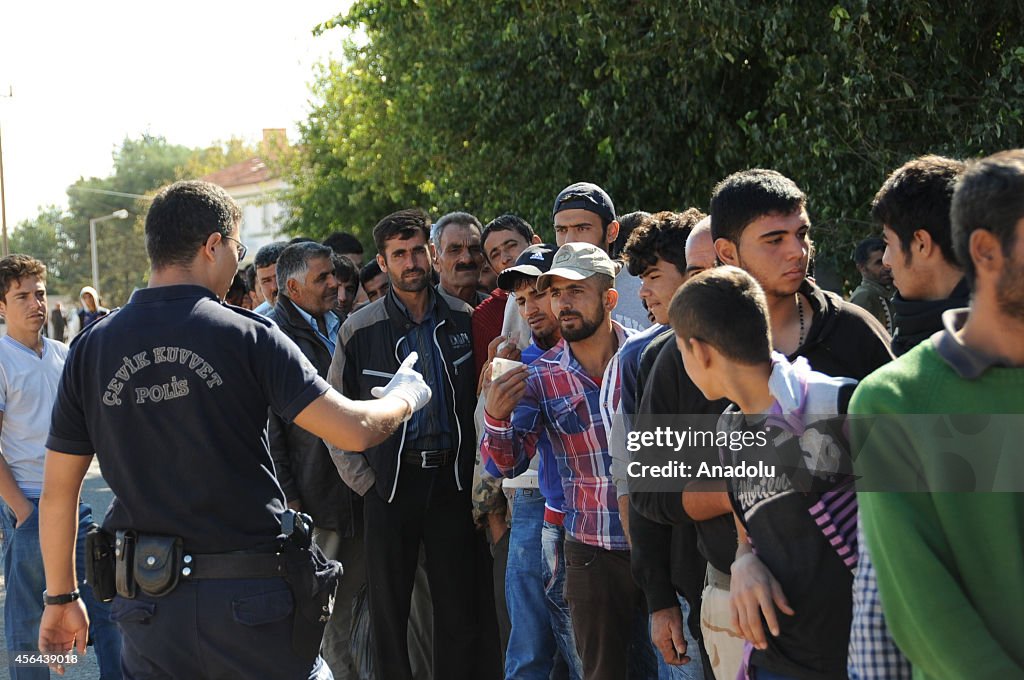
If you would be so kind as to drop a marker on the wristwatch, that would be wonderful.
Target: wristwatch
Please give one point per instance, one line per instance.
(66, 598)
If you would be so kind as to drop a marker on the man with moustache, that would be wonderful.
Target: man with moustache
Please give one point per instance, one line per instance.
(568, 394)
(458, 256)
(308, 291)
(416, 484)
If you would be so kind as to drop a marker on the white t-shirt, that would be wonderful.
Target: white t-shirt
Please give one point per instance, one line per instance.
(28, 388)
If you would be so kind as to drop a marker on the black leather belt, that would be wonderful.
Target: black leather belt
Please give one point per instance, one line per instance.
(234, 565)
(429, 459)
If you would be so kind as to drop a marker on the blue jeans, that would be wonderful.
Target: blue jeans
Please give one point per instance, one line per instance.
(553, 573)
(24, 582)
(531, 645)
(691, 671)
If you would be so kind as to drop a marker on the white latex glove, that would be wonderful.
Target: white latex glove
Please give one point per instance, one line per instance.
(406, 384)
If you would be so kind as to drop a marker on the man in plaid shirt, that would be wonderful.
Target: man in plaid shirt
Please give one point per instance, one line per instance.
(571, 392)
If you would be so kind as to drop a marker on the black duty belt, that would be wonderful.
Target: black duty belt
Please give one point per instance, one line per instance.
(233, 565)
(429, 459)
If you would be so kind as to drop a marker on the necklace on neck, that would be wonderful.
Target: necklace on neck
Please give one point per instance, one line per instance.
(800, 314)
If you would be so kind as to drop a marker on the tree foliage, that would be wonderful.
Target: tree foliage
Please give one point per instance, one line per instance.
(495, 106)
(140, 167)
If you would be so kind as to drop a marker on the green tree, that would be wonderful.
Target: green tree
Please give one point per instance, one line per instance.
(140, 167)
(43, 238)
(495, 106)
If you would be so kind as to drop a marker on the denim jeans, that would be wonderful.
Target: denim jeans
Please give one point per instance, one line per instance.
(553, 573)
(531, 645)
(693, 670)
(24, 582)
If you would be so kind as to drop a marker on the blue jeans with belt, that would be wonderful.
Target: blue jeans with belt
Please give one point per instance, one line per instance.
(24, 583)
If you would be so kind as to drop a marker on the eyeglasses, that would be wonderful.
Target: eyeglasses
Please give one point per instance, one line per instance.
(242, 250)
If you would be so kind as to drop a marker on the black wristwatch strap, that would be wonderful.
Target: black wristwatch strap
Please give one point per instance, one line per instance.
(61, 599)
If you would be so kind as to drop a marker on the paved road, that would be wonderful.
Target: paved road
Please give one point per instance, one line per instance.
(96, 493)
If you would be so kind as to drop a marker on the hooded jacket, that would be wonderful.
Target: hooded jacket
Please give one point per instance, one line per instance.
(369, 351)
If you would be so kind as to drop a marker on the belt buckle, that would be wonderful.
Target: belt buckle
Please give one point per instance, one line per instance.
(423, 460)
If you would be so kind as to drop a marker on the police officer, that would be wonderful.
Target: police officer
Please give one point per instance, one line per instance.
(172, 392)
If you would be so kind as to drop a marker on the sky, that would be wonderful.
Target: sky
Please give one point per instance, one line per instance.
(87, 75)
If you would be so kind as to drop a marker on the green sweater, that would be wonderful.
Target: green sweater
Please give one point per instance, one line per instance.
(950, 565)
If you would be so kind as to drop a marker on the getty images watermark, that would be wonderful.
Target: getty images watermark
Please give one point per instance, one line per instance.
(905, 453)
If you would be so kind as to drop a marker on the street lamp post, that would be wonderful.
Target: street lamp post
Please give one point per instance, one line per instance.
(116, 215)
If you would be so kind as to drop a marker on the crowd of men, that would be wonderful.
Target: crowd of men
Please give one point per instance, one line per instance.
(455, 417)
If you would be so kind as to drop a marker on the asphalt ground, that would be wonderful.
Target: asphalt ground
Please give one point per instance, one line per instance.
(96, 493)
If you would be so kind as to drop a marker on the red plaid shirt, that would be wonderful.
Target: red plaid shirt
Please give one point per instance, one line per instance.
(576, 413)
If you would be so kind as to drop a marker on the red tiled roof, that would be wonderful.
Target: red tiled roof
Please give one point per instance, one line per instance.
(250, 171)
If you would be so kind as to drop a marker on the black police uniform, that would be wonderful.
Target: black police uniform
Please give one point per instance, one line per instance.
(171, 392)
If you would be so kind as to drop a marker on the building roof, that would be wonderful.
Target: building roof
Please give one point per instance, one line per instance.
(251, 171)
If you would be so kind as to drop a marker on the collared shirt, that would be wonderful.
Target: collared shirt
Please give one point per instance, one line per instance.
(548, 479)
(573, 410)
(264, 308)
(968, 362)
(331, 322)
(430, 427)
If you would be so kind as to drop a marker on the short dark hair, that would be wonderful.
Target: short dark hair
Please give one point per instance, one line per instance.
(369, 271)
(862, 253)
(344, 269)
(726, 308)
(453, 218)
(344, 243)
(238, 289)
(989, 196)
(301, 239)
(507, 222)
(402, 224)
(744, 196)
(917, 195)
(182, 216)
(662, 235)
(627, 223)
(294, 261)
(249, 272)
(268, 254)
(16, 267)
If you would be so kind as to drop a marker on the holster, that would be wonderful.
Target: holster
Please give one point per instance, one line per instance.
(99, 562)
(313, 580)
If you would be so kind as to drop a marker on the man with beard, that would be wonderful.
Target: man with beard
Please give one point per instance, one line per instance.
(948, 563)
(308, 291)
(458, 256)
(541, 634)
(875, 289)
(416, 484)
(913, 208)
(569, 394)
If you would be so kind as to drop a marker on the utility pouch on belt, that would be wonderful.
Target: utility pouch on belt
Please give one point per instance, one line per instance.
(124, 554)
(157, 563)
(99, 562)
(312, 578)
